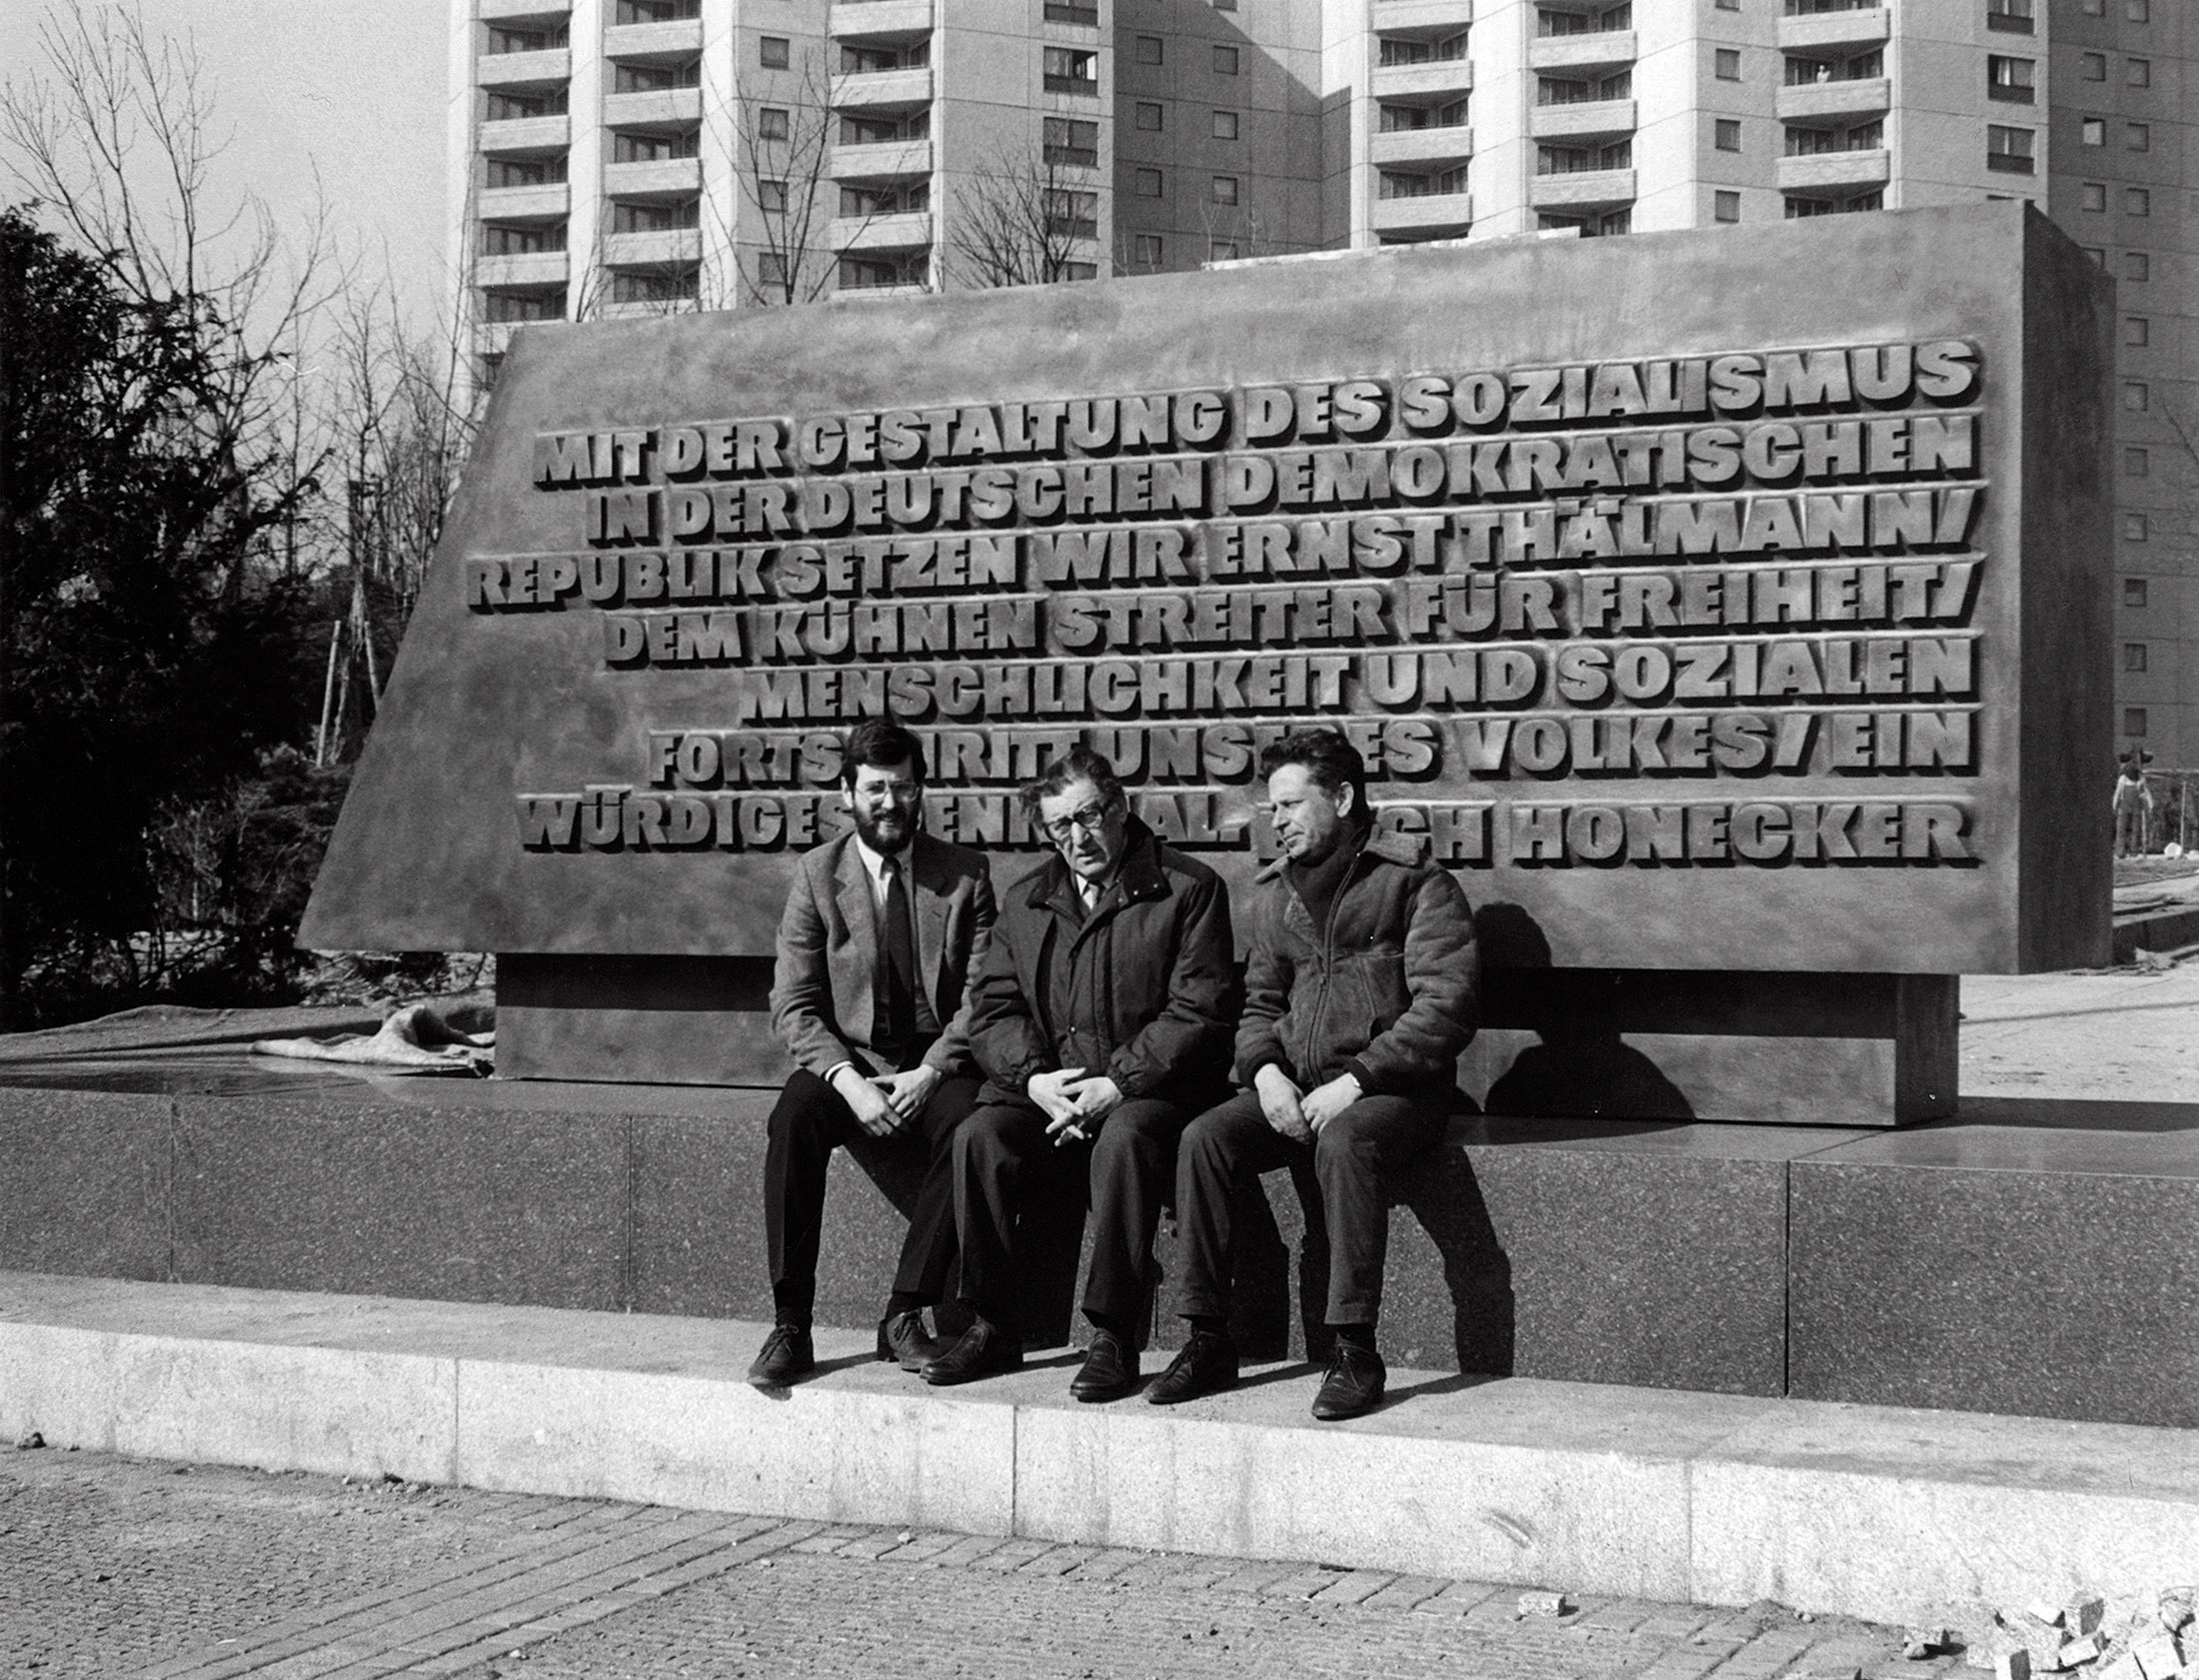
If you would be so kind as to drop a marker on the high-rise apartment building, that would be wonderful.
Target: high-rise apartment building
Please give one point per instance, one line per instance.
(625, 156)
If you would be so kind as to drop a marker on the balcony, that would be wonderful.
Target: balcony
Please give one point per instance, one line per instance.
(524, 11)
(526, 136)
(1586, 120)
(884, 161)
(662, 108)
(1582, 189)
(656, 248)
(1867, 26)
(552, 67)
(1430, 213)
(1607, 49)
(533, 269)
(659, 178)
(1829, 172)
(674, 42)
(547, 203)
(1869, 97)
(883, 89)
(880, 20)
(907, 289)
(1442, 76)
(1421, 17)
(1423, 145)
(907, 230)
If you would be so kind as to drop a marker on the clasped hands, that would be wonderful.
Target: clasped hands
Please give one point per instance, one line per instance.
(884, 1102)
(1299, 1116)
(1072, 1104)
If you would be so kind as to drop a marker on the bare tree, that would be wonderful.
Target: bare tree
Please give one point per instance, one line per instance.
(1028, 219)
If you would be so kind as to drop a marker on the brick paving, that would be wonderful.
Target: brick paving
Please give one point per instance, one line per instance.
(113, 1567)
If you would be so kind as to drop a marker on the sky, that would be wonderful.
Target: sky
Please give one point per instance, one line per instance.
(353, 89)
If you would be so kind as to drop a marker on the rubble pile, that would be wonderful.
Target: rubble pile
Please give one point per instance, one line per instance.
(2090, 1639)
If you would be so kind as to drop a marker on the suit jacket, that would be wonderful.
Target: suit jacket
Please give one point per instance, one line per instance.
(824, 984)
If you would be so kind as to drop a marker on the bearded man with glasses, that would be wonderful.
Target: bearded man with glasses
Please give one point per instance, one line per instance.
(1102, 1024)
(878, 949)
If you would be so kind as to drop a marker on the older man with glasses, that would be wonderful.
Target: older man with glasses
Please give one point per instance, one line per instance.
(1102, 1025)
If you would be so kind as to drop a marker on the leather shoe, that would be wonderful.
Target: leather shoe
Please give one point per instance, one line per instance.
(902, 1338)
(1110, 1370)
(1208, 1365)
(1354, 1385)
(984, 1350)
(788, 1353)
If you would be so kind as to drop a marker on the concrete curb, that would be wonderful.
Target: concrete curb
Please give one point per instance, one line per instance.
(1892, 1515)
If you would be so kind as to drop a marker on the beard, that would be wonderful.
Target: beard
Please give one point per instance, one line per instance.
(888, 834)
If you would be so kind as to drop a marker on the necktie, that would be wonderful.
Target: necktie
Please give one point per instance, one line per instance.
(901, 966)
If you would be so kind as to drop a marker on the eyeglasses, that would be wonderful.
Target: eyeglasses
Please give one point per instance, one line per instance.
(897, 791)
(1088, 819)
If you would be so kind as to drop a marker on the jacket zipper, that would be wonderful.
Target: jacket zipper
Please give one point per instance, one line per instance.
(1329, 951)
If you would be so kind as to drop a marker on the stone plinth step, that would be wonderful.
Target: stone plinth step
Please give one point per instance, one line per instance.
(1885, 1513)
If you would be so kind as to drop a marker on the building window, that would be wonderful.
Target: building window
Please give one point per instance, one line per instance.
(1798, 208)
(1070, 70)
(1148, 49)
(2008, 150)
(2137, 266)
(862, 273)
(1725, 64)
(1146, 250)
(517, 107)
(1405, 50)
(770, 269)
(1067, 11)
(1073, 213)
(1221, 249)
(774, 52)
(2134, 592)
(2136, 202)
(2136, 529)
(525, 172)
(2010, 80)
(2092, 8)
(655, 147)
(656, 11)
(2091, 195)
(1728, 5)
(1226, 188)
(2138, 136)
(2098, 254)
(2092, 131)
(523, 306)
(2134, 720)
(772, 123)
(771, 195)
(2138, 72)
(2093, 66)
(1225, 125)
(914, 196)
(1726, 134)
(2137, 462)
(1067, 140)
(682, 287)
(1726, 207)
(1147, 183)
(2134, 656)
(877, 61)
(2137, 329)
(1149, 117)
(497, 241)
(1225, 61)
(2138, 11)
(2137, 397)
(2011, 16)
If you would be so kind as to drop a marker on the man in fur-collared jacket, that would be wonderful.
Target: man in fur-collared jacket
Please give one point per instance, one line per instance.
(1361, 990)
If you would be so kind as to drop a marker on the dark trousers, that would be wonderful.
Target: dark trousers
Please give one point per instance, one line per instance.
(1228, 1145)
(808, 1120)
(1003, 1152)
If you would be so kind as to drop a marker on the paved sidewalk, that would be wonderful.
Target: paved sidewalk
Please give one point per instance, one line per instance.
(114, 1566)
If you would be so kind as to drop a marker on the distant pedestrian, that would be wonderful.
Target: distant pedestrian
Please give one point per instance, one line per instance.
(2133, 806)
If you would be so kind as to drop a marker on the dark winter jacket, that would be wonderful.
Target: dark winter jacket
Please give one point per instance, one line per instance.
(1141, 990)
(1391, 986)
